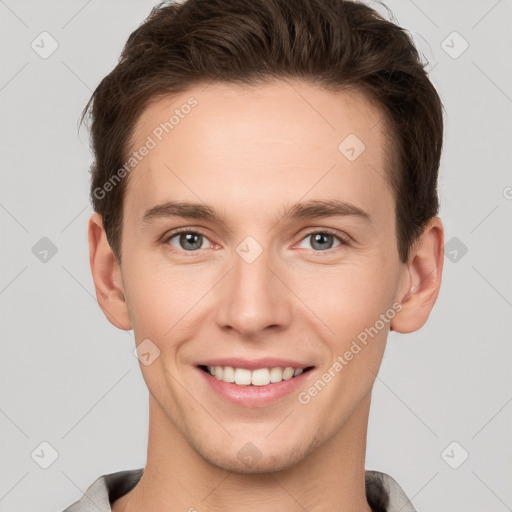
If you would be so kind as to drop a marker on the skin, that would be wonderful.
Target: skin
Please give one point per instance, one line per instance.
(250, 153)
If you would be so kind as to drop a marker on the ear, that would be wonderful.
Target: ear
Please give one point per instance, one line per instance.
(106, 275)
(425, 268)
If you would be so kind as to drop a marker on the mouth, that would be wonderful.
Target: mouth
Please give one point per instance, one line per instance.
(260, 377)
(254, 382)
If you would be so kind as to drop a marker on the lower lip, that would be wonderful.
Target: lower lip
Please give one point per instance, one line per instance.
(254, 396)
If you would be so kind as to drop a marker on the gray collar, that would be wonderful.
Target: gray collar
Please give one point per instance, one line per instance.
(382, 491)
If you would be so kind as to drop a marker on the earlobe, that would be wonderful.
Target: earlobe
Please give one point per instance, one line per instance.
(425, 269)
(106, 275)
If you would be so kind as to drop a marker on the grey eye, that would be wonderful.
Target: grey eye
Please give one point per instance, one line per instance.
(321, 241)
(189, 241)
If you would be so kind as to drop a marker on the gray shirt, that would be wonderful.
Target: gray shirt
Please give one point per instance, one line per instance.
(382, 492)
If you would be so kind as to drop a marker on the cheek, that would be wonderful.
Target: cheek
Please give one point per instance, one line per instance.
(159, 299)
(341, 300)
(351, 298)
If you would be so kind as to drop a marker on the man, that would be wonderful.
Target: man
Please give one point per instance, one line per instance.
(265, 201)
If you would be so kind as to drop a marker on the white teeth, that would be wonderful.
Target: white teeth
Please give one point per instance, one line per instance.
(229, 374)
(276, 375)
(288, 373)
(243, 377)
(258, 377)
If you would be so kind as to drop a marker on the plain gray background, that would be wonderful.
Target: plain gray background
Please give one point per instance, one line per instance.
(69, 378)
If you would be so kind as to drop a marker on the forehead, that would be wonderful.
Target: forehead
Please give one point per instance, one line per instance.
(272, 143)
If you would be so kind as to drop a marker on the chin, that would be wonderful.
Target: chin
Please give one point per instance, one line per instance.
(249, 459)
(269, 464)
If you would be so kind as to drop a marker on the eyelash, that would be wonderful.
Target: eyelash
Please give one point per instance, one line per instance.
(343, 239)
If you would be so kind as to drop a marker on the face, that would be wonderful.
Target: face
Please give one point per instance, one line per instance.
(285, 255)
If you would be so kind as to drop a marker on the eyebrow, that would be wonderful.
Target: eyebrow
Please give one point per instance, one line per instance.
(307, 210)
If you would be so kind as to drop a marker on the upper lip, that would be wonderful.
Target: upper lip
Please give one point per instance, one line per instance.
(253, 364)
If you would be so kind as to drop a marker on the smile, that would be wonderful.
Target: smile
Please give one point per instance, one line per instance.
(256, 377)
(254, 381)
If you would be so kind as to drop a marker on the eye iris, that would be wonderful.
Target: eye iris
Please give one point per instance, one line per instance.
(320, 237)
(194, 241)
(191, 238)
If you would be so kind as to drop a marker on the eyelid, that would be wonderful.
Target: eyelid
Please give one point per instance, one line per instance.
(342, 237)
(178, 231)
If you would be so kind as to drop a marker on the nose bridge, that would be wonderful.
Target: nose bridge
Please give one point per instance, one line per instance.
(252, 298)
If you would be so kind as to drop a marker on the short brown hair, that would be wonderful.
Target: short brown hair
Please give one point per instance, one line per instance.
(336, 44)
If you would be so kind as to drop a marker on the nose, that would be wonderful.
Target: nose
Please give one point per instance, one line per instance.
(253, 297)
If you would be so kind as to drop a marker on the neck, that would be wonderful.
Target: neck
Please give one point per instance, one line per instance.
(177, 478)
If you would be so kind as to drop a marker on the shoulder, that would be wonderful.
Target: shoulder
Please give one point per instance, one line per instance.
(382, 491)
(106, 489)
(385, 495)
